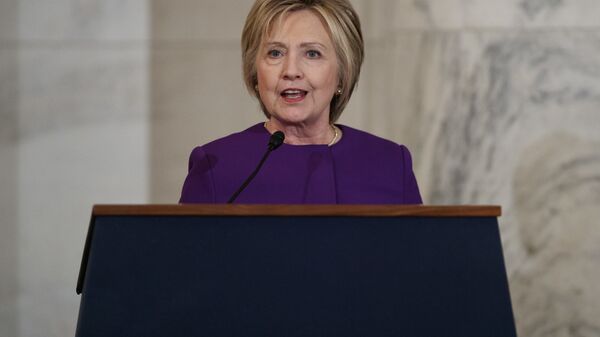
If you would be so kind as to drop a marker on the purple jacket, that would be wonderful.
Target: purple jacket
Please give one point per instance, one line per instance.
(359, 169)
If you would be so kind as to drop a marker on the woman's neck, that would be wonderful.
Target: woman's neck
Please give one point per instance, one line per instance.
(301, 134)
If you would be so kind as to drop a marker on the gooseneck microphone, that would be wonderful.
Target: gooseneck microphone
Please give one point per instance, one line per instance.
(274, 142)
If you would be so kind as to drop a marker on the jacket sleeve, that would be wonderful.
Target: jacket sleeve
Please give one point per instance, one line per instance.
(199, 185)
(411, 188)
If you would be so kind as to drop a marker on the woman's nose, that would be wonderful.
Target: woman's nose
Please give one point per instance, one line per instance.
(291, 69)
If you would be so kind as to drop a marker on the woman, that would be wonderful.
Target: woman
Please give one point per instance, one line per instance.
(302, 60)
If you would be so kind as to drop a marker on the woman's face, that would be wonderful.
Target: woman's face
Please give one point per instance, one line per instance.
(297, 70)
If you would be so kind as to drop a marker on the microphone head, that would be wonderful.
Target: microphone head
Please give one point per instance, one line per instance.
(276, 140)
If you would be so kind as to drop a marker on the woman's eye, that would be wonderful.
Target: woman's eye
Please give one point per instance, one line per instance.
(313, 54)
(274, 53)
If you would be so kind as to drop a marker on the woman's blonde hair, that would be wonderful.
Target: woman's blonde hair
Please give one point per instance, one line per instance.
(343, 25)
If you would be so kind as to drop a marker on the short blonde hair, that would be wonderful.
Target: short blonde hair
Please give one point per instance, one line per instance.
(343, 25)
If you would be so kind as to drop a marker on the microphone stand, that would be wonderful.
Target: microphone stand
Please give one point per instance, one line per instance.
(274, 142)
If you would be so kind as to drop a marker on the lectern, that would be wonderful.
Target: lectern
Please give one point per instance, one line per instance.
(318, 270)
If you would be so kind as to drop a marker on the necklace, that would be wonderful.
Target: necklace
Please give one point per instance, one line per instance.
(335, 135)
(335, 129)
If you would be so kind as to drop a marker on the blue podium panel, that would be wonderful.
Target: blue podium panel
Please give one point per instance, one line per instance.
(295, 276)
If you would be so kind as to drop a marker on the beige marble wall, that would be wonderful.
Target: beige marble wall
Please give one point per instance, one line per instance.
(499, 103)
(197, 92)
(74, 132)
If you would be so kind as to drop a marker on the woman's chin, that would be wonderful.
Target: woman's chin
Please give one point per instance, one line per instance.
(296, 117)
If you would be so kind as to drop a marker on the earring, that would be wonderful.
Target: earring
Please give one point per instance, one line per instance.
(339, 91)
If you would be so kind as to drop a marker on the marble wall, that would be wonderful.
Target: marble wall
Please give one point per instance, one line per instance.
(74, 132)
(499, 103)
(102, 101)
(196, 88)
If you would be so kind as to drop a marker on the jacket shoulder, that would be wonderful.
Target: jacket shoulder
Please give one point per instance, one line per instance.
(356, 137)
(238, 140)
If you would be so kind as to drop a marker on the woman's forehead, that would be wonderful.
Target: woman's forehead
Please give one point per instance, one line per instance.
(301, 24)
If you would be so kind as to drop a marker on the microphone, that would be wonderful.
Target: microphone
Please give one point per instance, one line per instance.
(274, 142)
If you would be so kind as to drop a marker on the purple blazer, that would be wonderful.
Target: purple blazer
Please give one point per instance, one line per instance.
(359, 169)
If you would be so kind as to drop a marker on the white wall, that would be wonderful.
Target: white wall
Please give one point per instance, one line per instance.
(76, 134)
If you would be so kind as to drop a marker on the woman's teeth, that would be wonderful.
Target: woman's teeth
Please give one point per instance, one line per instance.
(293, 93)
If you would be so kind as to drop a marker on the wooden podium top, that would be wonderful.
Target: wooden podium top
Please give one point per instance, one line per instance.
(297, 210)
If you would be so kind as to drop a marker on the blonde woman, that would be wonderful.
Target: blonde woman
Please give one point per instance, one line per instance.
(302, 60)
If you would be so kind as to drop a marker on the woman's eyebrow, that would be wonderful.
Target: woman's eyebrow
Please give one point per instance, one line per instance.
(274, 44)
(313, 44)
(302, 45)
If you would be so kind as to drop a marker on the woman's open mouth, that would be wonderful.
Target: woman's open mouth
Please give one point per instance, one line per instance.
(293, 95)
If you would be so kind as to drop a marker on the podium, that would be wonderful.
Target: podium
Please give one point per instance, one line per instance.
(293, 270)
